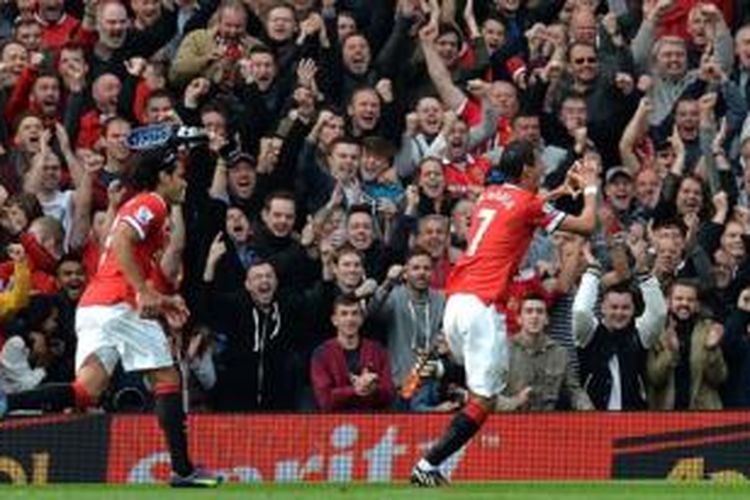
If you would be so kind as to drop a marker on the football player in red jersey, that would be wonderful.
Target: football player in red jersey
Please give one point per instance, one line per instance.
(117, 315)
(503, 223)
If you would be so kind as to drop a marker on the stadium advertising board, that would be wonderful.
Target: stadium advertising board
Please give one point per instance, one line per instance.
(714, 452)
(56, 449)
(384, 447)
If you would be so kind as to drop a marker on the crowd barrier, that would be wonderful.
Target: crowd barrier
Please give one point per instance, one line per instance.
(380, 447)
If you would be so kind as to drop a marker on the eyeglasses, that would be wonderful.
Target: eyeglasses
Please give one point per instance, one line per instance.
(581, 60)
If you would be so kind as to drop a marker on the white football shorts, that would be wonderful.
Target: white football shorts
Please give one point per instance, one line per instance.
(116, 332)
(477, 336)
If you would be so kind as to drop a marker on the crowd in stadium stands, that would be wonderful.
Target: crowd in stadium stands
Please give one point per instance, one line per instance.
(348, 141)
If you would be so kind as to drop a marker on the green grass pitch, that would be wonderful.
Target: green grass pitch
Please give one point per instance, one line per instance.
(632, 490)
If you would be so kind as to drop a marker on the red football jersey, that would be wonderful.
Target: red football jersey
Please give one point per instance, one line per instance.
(502, 226)
(147, 214)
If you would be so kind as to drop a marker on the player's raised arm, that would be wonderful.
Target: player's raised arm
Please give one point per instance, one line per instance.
(586, 174)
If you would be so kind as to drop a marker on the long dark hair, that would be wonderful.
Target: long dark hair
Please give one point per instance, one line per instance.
(516, 156)
(145, 166)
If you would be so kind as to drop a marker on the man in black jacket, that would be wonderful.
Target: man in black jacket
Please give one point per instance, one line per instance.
(273, 240)
(613, 350)
(256, 362)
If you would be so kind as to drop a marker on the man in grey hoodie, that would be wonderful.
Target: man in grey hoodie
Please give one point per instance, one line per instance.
(411, 312)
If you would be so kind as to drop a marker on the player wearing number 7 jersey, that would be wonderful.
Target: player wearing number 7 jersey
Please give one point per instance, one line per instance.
(502, 225)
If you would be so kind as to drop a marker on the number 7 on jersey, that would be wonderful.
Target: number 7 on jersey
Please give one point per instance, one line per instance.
(485, 216)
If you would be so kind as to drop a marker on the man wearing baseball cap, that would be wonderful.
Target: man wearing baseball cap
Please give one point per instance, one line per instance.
(619, 191)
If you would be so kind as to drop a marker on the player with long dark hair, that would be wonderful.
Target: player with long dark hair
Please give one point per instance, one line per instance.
(119, 314)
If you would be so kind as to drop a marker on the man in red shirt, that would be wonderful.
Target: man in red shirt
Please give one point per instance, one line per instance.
(349, 372)
(503, 223)
(117, 315)
(57, 26)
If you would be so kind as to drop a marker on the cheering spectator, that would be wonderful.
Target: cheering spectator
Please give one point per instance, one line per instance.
(339, 139)
(214, 52)
(255, 351)
(411, 313)
(540, 374)
(614, 349)
(685, 367)
(349, 372)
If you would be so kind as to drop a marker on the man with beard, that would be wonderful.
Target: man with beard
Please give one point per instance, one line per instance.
(411, 314)
(685, 367)
(257, 361)
(38, 92)
(57, 26)
(71, 281)
(432, 233)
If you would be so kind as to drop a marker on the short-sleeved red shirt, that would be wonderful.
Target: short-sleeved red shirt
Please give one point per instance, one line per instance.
(502, 226)
(147, 214)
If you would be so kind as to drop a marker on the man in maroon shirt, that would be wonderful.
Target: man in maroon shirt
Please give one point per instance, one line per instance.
(349, 372)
